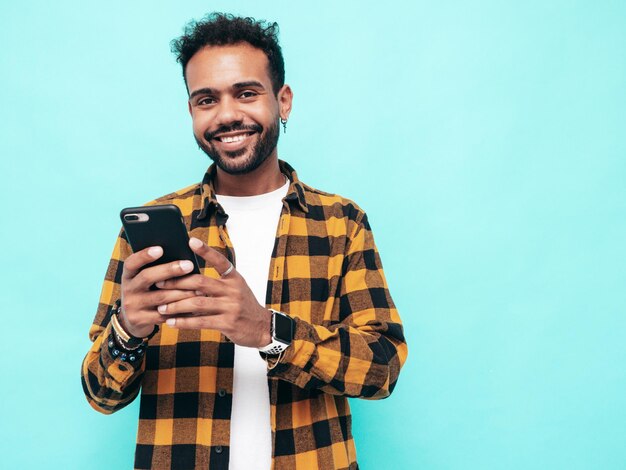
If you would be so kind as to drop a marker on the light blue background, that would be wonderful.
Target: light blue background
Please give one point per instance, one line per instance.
(486, 141)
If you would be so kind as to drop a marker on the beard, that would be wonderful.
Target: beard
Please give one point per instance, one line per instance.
(260, 152)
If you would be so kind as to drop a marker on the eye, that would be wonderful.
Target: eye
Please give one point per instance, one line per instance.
(248, 94)
(205, 100)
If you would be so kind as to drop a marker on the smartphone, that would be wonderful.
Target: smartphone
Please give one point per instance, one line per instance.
(159, 226)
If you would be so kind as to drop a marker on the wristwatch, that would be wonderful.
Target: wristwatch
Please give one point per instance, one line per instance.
(282, 330)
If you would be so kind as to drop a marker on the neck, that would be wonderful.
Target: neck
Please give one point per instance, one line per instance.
(266, 178)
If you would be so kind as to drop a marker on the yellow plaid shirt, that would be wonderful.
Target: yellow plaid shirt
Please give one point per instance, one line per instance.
(325, 272)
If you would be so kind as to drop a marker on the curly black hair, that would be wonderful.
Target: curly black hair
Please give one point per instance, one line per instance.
(220, 29)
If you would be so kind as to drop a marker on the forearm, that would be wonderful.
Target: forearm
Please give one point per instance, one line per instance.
(345, 360)
(108, 382)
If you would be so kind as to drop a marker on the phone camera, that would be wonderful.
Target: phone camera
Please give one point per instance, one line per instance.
(136, 217)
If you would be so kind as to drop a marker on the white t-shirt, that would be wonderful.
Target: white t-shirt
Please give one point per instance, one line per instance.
(252, 224)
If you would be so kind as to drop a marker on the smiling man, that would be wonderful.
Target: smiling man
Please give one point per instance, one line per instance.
(249, 364)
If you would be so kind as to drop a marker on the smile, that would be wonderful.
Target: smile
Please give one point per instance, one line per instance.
(234, 138)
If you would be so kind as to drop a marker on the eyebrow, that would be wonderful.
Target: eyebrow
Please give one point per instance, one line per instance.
(248, 84)
(236, 86)
(202, 91)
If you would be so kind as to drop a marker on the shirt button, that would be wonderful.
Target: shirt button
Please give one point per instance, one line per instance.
(221, 392)
(218, 449)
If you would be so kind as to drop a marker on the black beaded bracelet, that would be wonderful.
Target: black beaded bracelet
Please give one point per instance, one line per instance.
(116, 350)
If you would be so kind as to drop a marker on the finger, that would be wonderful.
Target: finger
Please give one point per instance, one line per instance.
(197, 305)
(212, 257)
(154, 274)
(152, 299)
(196, 323)
(136, 261)
(153, 317)
(143, 319)
(194, 282)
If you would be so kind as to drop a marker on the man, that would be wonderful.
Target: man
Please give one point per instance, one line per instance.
(247, 367)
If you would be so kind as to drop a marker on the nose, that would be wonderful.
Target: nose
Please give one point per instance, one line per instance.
(228, 112)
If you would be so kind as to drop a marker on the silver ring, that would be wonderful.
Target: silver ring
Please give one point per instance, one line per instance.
(228, 271)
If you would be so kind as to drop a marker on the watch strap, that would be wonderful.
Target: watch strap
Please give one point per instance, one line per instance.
(274, 348)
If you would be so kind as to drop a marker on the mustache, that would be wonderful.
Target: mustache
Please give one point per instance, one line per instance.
(209, 135)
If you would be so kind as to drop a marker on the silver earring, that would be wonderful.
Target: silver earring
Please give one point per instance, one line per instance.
(284, 123)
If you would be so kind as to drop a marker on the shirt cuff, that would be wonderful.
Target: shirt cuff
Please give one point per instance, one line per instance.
(120, 372)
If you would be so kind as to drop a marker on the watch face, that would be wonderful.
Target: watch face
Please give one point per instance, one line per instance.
(283, 328)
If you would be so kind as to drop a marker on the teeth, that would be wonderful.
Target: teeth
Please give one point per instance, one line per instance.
(235, 138)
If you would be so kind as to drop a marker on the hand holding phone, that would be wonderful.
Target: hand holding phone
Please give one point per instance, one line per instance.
(160, 244)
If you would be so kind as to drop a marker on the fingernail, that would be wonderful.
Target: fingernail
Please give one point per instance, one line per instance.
(194, 243)
(159, 284)
(186, 265)
(171, 321)
(162, 308)
(155, 251)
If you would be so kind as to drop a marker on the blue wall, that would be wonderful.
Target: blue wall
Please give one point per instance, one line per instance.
(486, 140)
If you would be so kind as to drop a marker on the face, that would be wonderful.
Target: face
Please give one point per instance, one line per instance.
(234, 109)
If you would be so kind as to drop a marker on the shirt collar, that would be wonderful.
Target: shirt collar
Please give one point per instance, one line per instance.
(295, 193)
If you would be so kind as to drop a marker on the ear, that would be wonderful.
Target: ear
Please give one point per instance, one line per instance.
(285, 98)
(189, 108)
